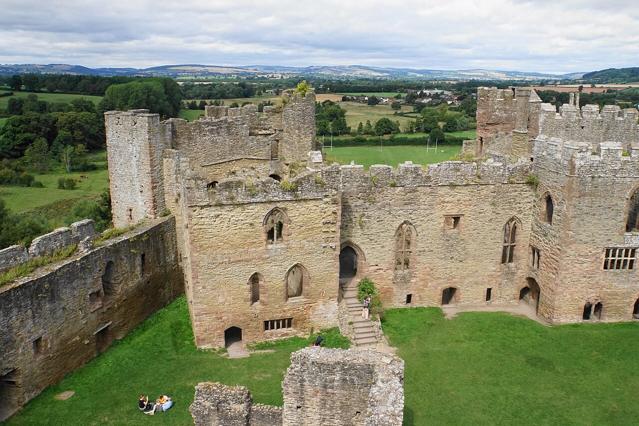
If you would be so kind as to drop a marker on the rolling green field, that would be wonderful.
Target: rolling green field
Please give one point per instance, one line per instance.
(90, 184)
(378, 94)
(391, 155)
(159, 357)
(497, 369)
(356, 113)
(191, 114)
(49, 97)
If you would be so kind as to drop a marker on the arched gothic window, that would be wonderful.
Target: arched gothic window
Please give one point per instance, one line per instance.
(548, 209)
(275, 224)
(510, 234)
(404, 246)
(296, 279)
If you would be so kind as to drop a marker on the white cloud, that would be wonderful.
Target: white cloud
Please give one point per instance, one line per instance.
(535, 35)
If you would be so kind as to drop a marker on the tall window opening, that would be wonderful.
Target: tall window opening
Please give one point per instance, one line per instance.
(632, 222)
(275, 224)
(635, 310)
(548, 209)
(510, 235)
(404, 246)
(597, 310)
(535, 257)
(254, 283)
(296, 280)
(108, 286)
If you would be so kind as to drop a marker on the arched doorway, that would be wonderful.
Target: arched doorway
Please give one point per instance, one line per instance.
(347, 262)
(449, 295)
(232, 335)
(635, 310)
(530, 293)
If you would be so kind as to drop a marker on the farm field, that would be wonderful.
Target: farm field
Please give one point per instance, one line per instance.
(390, 155)
(159, 357)
(493, 368)
(91, 184)
(356, 113)
(49, 97)
(191, 114)
(378, 94)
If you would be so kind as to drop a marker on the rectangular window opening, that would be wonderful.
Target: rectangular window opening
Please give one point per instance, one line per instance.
(278, 324)
(489, 294)
(535, 257)
(619, 258)
(409, 299)
(452, 221)
(38, 346)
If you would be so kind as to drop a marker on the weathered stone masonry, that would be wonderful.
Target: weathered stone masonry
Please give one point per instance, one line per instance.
(65, 314)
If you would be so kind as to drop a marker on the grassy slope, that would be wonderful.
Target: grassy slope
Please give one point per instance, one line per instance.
(491, 368)
(391, 155)
(20, 199)
(159, 357)
(49, 97)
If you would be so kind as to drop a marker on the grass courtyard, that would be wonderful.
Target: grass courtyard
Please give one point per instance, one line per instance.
(390, 155)
(493, 368)
(160, 357)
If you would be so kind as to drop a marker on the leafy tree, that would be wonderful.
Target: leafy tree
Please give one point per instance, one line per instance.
(334, 116)
(201, 105)
(396, 106)
(372, 100)
(385, 126)
(33, 104)
(36, 156)
(15, 106)
(84, 127)
(31, 82)
(302, 88)
(360, 128)
(99, 211)
(82, 105)
(437, 136)
(15, 82)
(368, 128)
(20, 131)
(71, 155)
(162, 96)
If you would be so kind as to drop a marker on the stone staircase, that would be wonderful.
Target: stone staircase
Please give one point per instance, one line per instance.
(364, 329)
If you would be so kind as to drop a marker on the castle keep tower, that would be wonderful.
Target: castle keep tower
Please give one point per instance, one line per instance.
(134, 149)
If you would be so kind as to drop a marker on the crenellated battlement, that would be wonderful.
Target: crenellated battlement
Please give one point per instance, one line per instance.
(329, 180)
(590, 124)
(606, 159)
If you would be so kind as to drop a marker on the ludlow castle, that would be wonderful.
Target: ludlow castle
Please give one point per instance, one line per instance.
(239, 210)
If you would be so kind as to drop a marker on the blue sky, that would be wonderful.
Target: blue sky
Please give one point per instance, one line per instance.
(536, 35)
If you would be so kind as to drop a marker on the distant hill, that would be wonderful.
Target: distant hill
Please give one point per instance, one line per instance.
(613, 75)
(340, 71)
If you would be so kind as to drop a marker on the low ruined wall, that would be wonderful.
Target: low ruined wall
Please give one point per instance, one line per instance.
(328, 387)
(343, 387)
(47, 244)
(64, 314)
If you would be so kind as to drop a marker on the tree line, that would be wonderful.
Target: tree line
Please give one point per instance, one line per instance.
(62, 83)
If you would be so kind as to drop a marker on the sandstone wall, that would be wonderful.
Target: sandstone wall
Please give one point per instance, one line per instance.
(343, 387)
(135, 142)
(64, 314)
(591, 194)
(227, 244)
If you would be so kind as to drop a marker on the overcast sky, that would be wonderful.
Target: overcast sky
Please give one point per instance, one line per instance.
(536, 35)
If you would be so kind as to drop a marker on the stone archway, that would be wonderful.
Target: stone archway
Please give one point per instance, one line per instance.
(449, 295)
(348, 261)
(530, 294)
(232, 335)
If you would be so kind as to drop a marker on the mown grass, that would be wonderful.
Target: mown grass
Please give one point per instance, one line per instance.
(160, 357)
(357, 112)
(378, 94)
(191, 114)
(391, 155)
(90, 185)
(49, 97)
(493, 368)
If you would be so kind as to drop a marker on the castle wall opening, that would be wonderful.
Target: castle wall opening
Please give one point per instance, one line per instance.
(108, 286)
(632, 223)
(530, 294)
(9, 393)
(103, 338)
(296, 279)
(232, 335)
(254, 287)
(347, 263)
(449, 295)
(635, 310)
(587, 311)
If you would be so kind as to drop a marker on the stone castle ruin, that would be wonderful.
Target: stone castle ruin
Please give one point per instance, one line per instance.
(239, 210)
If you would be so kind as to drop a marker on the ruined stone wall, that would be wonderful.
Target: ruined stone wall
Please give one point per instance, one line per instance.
(64, 314)
(484, 196)
(298, 122)
(135, 141)
(590, 125)
(591, 192)
(227, 244)
(343, 387)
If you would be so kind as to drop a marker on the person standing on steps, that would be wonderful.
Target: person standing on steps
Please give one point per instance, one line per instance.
(365, 309)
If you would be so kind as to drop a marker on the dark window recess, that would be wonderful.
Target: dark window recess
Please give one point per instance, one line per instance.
(535, 256)
(278, 324)
(142, 263)
(212, 185)
(452, 221)
(619, 258)
(38, 346)
(489, 294)
(449, 295)
(409, 299)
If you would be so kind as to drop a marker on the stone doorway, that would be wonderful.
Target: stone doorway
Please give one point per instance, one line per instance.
(449, 295)
(347, 263)
(9, 393)
(232, 335)
(635, 310)
(530, 294)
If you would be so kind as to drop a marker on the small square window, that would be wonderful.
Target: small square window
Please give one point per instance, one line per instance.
(452, 221)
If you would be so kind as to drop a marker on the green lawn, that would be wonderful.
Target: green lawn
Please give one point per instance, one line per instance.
(191, 114)
(378, 94)
(90, 184)
(49, 97)
(160, 357)
(356, 113)
(492, 368)
(391, 155)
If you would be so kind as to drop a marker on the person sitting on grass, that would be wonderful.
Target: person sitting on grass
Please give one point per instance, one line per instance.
(144, 405)
(163, 403)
